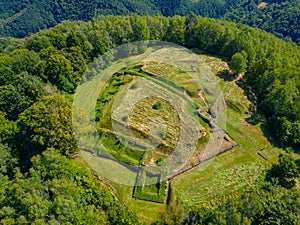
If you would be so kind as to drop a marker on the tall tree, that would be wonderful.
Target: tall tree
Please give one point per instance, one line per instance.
(47, 123)
(238, 63)
(285, 172)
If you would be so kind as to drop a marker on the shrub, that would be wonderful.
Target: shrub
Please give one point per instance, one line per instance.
(157, 105)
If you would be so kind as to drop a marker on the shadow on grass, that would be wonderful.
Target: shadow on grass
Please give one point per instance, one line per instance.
(269, 134)
(226, 75)
(242, 83)
(257, 116)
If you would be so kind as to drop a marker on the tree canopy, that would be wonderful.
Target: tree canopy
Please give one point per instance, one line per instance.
(19, 17)
(40, 182)
(57, 191)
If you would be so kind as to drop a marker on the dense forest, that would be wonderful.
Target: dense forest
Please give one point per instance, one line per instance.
(278, 17)
(39, 74)
(18, 18)
(21, 17)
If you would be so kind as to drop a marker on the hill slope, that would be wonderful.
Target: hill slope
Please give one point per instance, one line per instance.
(39, 76)
(18, 18)
(278, 17)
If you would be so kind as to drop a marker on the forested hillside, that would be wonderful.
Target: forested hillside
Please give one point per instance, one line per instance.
(278, 17)
(40, 180)
(18, 18)
(60, 56)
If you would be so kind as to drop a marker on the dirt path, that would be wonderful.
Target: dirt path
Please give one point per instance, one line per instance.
(240, 76)
(262, 5)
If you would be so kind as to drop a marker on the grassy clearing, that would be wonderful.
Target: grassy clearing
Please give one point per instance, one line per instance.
(177, 78)
(213, 181)
(230, 173)
(211, 190)
(159, 69)
(147, 115)
(147, 211)
(104, 124)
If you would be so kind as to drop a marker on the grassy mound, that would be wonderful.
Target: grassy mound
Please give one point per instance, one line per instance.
(153, 119)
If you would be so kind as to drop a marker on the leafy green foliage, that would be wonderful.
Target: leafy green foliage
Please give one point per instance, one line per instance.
(157, 105)
(58, 70)
(238, 63)
(21, 17)
(277, 17)
(36, 15)
(58, 57)
(285, 172)
(8, 44)
(56, 190)
(7, 161)
(7, 129)
(176, 30)
(20, 94)
(47, 123)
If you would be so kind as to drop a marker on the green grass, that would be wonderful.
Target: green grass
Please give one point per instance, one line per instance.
(111, 170)
(103, 117)
(147, 211)
(233, 172)
(150, 187)
(212, 182)
(120, 151)
(141, 115)
(215, 189)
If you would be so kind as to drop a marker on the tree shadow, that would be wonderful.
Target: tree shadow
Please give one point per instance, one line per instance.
(269, 134)
(242, 83)
(257, 116)
(226, 75)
